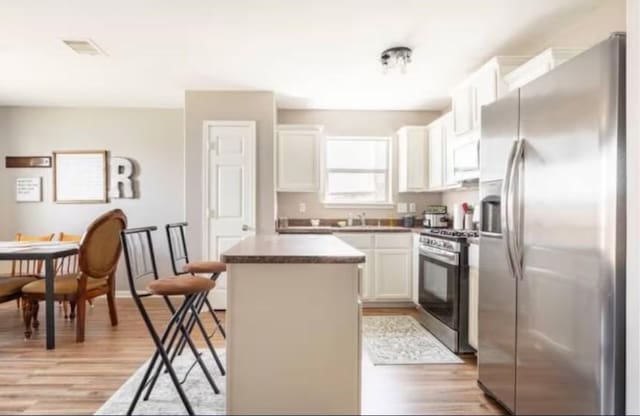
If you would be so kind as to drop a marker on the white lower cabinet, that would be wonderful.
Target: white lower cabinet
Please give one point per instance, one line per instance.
(387, 275)
(367, 287)
(393, 274)
(474, 282)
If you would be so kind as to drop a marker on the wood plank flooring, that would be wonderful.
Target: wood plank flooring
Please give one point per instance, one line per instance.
(78, 378)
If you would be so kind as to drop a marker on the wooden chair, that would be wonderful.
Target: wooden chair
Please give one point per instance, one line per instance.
(67, 266)
(100, 249)
(23, 269)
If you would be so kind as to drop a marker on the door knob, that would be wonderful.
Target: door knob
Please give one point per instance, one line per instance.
(245, 227)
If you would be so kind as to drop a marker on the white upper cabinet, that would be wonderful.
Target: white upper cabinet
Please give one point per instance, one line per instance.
(413, 163)
(449, 140)
(298, 158)
(436, 155)
(538, 65)
(483, 87)
(484, 90)
(461, 104)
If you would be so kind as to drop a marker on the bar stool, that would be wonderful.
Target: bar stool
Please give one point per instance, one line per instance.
(140, 263)
(176, 237)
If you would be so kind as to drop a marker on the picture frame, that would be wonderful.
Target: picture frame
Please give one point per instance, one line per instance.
(80, 177)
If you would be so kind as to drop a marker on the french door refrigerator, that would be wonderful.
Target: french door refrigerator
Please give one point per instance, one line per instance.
(552, 241)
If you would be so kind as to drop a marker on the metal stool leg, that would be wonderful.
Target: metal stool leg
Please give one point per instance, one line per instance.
(208, 341)
(185, 337)
(177, 317)
(215, 318)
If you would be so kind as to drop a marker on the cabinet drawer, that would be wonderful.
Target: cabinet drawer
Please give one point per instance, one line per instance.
(359, 241)
(393, 240)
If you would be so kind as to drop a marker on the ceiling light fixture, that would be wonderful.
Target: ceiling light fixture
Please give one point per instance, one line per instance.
(395, 58)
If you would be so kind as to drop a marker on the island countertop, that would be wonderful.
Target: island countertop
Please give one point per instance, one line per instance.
(317, 248)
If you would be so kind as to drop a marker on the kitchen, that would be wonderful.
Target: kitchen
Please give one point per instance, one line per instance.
(448, 272)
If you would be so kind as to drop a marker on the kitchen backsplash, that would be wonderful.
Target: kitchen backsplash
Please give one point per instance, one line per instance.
(458, 197)
(289, 206)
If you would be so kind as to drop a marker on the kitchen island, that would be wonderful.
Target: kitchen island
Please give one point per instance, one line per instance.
(293, 325)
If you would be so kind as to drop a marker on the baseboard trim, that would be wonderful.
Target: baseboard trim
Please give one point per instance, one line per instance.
(123, 294)
(376, 304)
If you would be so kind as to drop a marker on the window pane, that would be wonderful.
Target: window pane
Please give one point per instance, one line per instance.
(356, 154)
(356, 187)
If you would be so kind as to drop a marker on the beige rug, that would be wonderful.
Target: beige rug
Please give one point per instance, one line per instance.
(391, 340)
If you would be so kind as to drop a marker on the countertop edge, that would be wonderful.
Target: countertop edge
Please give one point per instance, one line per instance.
(288, 259)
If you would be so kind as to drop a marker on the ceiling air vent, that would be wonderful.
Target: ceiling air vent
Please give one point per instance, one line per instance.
(83, 46)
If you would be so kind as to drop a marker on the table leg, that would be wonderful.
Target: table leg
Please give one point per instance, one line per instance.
(49, 304)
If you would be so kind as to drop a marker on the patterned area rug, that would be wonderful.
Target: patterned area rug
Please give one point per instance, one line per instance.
(164, 399)
(402, 340)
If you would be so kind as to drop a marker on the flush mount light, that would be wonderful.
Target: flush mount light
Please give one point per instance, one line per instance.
(83, 46)
(395, 58)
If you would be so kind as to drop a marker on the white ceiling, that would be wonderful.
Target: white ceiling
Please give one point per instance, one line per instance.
(311, 53)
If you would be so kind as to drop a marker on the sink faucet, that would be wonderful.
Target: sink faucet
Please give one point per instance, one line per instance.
(362, 218)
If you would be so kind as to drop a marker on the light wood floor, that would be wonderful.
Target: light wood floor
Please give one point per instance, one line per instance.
(78, 378)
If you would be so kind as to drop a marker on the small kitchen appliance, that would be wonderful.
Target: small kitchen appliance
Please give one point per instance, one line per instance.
(435, 216)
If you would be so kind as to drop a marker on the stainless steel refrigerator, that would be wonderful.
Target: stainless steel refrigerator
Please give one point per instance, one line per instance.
(552, 241)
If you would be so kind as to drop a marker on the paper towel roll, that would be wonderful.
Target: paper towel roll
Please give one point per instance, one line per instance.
(458, 217)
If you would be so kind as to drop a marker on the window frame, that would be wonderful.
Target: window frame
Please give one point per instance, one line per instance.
(388, 203)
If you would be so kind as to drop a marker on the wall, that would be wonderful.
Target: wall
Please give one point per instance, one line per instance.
(229, 105)
(633, 208)
(153, 138)
(353, 123)
(580, 31)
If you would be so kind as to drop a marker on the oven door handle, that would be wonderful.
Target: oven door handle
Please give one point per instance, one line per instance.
(449, 258)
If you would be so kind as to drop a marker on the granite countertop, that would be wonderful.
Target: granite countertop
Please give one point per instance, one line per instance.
(292, 249)
(330, 229)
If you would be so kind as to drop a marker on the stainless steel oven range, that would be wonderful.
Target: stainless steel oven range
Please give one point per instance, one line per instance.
(444, 286)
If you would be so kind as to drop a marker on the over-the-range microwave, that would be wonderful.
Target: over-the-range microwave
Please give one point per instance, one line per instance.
(466, 158)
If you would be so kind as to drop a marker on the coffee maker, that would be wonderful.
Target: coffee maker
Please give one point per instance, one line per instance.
(435, 216)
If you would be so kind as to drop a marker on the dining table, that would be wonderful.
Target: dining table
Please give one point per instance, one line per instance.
(46, 252)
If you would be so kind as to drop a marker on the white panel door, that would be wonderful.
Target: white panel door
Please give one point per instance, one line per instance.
(393, 274)
(229, 191)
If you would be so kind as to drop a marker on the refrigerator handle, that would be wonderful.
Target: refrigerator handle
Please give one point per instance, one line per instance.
(505, 210)
(514, 205)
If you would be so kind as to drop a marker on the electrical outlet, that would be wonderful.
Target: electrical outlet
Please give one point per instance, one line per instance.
(412, 207)
(402, 207)
(302, 207)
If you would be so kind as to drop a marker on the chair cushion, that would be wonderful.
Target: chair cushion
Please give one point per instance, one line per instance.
(184, 285)
(63, 285)
(205, 267)
(12, 285)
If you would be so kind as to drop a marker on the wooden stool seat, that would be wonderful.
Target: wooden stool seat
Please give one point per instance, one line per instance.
(205, 267)
(185, 285)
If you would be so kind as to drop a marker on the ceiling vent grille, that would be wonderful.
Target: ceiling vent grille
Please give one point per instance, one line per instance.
(83, 46)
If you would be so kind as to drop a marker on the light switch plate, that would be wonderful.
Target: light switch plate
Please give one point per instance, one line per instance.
(302, 207)
(402, 207)
(412, 207)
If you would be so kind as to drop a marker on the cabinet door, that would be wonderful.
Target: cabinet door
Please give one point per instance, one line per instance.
(484, 91)
(367, 282)
(461, 108)
(448, 139)
(298, 161)
(436, 157)
(412, 159)
(393, 274)
(415, 268)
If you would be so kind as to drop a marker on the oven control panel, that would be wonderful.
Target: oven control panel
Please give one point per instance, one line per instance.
(440, 243)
